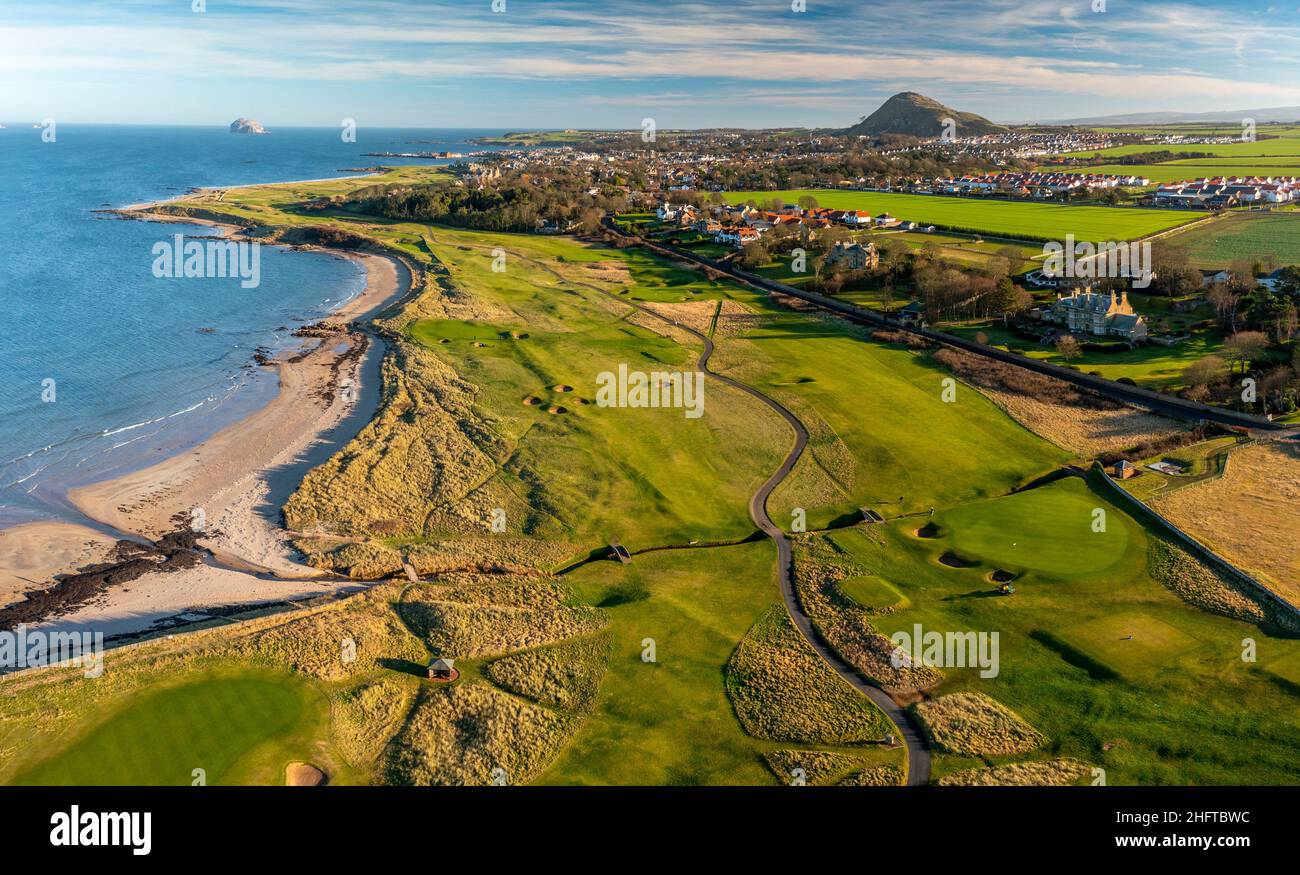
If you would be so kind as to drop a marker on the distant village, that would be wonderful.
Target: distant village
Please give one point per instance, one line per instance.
(1224, 192)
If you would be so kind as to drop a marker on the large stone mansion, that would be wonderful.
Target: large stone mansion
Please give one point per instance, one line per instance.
(1101, 313)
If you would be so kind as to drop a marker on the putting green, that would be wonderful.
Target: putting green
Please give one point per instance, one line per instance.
(1132, 643)
(221, 725)
(1048, 529)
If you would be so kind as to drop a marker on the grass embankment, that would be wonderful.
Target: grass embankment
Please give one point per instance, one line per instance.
(1250, 513)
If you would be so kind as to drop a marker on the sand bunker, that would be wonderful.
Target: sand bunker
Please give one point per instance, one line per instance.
(556, 409)
(532, 400)
(561, 388)
(952, 560)
(303, 775)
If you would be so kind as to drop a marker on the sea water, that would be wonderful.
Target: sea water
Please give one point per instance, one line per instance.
(106, 368)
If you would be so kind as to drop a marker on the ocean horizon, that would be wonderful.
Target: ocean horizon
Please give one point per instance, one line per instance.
(108, 368)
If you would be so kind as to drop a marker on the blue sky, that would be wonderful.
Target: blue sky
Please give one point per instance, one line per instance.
(611, 63)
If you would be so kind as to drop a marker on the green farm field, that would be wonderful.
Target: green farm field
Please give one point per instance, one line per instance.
(1184, 172)
(1243, 237)
(1014, 220)
(1282, 141)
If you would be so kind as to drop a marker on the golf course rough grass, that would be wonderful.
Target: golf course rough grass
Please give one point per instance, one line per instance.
(782, 690)
(972, 724)
(470, 732)
(1044, 773)
(366, 628)
(879, 776)
(1014, 219)
(1202, 586)
(564, 676)
(365, 717)
(474, 735)
(814, 768)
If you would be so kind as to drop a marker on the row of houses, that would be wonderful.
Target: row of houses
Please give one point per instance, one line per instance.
(1229, 191)
(738, 226)
(1037, 184)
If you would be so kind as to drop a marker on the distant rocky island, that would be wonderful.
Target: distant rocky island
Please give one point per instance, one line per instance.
(246, 126)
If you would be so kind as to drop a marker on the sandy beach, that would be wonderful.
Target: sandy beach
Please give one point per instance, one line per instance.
(32, 553)
(231, 486)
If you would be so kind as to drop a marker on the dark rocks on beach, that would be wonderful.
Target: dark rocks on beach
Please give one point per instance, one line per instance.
(127, 561)
(322, 329)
